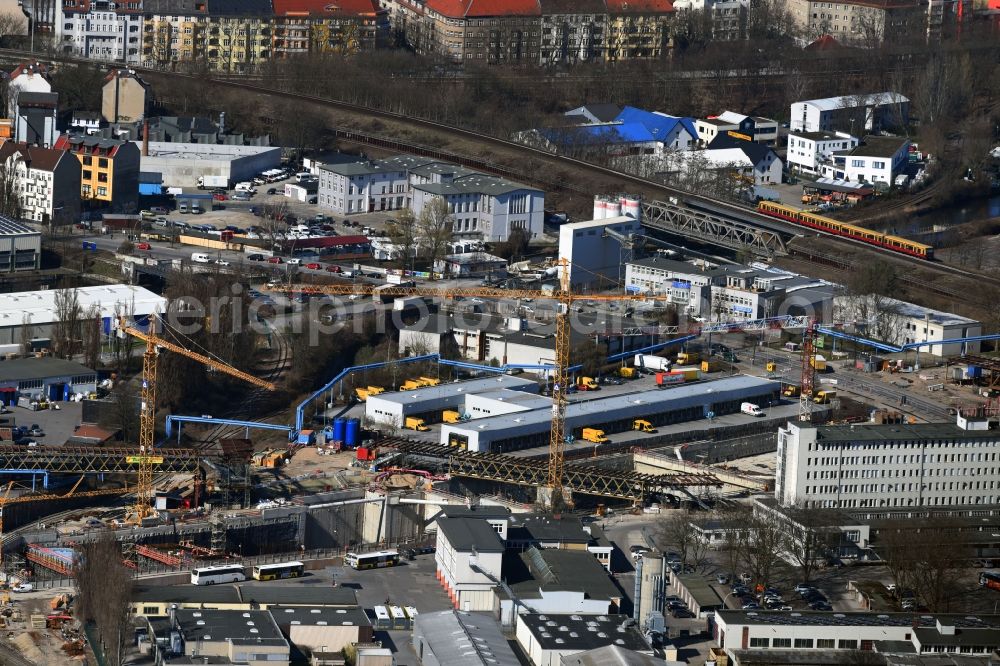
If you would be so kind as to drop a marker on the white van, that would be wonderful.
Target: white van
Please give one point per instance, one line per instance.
(201, 258)
(303, 176)
(294, 261)
(751, 409)
(244, 187)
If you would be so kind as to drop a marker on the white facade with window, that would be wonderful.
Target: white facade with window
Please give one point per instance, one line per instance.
(878, 160)
(485, 207)
(683, 284)
(101, 33)
(807, 151)
(851, 113)
(902, 323)
(951, 634)
(846, 467)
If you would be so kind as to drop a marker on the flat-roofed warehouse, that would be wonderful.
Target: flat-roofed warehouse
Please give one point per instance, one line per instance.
(20, 246)
(40, 311)
(430, 401)
(688, 402)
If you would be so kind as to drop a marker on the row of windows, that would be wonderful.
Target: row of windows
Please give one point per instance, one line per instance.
(904, 443)
(937, 486)
(819, 643)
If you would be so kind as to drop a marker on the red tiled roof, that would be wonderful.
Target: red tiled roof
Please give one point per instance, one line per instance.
(326, 7)
(640, 6)
(44, 159)
(90, 431)
(471, 8)
(30, 67)
(824, 43)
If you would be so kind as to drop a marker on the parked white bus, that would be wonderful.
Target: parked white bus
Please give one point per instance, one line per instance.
(226, 573)
(376, 560)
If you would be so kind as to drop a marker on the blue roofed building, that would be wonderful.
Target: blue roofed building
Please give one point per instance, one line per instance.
(633, 132)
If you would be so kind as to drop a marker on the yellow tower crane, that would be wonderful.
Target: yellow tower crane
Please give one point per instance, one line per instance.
(564, 299)
(146, 459)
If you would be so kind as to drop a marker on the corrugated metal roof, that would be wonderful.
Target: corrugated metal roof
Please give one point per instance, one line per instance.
(464, 639)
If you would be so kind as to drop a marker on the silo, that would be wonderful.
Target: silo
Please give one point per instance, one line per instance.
(598, 207)
(631, 206)
(650, 586)
(612, 208)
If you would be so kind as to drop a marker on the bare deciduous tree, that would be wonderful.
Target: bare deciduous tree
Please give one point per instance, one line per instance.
(402, 233)
(766, 541)
(434, 229)
(104, 590)
(675, 532)
(91, 336)
(66, 329)
(809, 538)
(27, 333)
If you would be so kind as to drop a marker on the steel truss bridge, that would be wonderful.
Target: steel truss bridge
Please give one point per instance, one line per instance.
(709, 228)
(81, 459)
(582, 479)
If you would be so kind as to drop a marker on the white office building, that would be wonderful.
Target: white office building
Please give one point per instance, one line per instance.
(595, 249)
(920, 465)
(875, 160)
(485, 207)
(851, 113)
(688, 286)
(902, 323)
(807, 151)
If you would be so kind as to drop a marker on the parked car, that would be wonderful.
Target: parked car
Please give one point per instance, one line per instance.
(219, 197)
(745, 577)
(255, 257)
(272, 190)
(143, 246)
(313, 199)
(159, 210)
(802, 588)
(334, 269)
(722, 579)
(35, 430)
(314, 266)
(294, 261)
(753, 605)
(274, 260)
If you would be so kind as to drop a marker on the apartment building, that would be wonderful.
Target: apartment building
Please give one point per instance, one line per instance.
(573, 31)
(47, 182)
(367, 186)
(547, 32)
(109, 169)
(638, 29)
(919, 465)
(809, 151)
(124, 97)
(871, 112)
(101, 29)
(484, 32)
(320, 26)
(862, 22)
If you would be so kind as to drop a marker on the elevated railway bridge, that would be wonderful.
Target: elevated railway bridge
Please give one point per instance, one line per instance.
(578, 478)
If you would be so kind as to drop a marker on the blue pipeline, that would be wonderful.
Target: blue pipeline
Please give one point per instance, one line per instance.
(651, 348)
(895, 349)
(177, 419)
(300, 410)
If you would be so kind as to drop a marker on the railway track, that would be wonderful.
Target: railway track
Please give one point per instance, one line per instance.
(611, 179)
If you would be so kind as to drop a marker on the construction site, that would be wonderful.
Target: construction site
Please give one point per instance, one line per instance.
(364, 466)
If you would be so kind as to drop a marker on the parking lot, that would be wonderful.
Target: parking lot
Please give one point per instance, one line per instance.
(411, 583)
(56, 424)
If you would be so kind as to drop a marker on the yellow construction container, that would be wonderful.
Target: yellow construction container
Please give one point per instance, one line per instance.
(790, 391)
(627, 373)
(375, 390)
(688, 358)
(410, 385)
(450, 416)
(362, 394)
(710, 366)
(429, 381)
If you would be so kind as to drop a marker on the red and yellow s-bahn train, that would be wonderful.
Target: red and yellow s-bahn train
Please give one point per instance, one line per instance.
(807, 219)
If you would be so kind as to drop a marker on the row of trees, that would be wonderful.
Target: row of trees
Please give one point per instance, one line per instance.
(925, 554)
